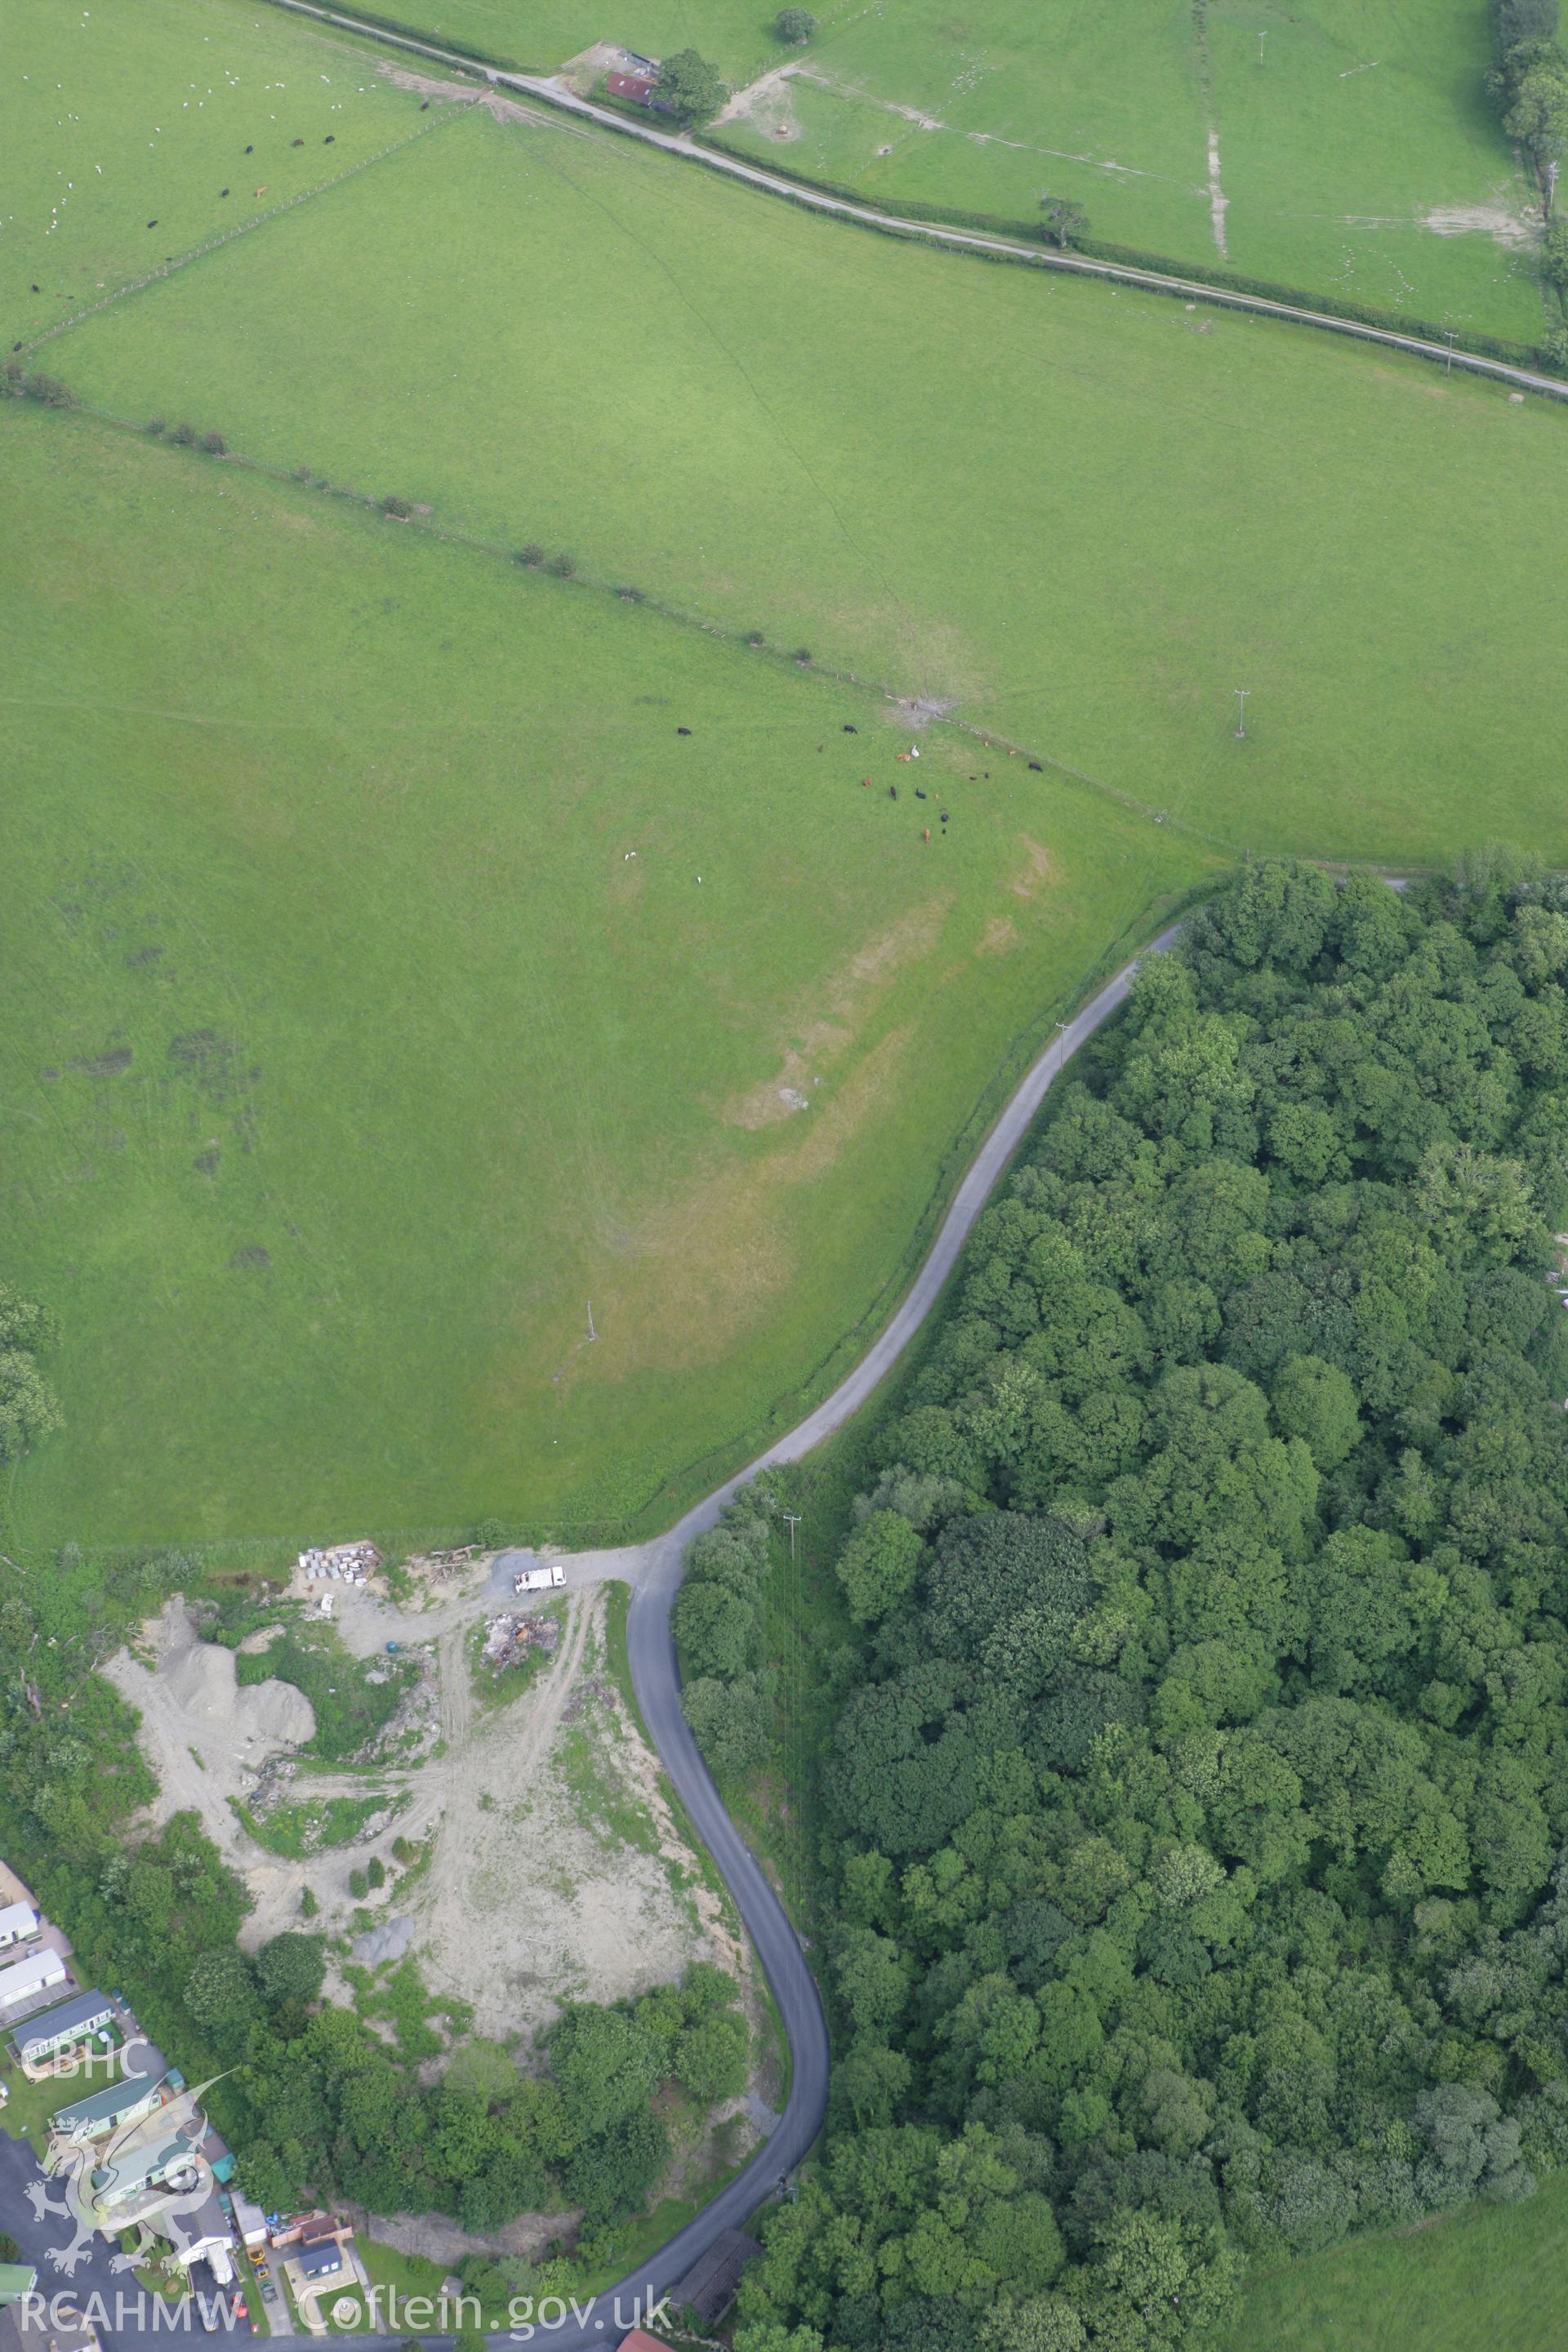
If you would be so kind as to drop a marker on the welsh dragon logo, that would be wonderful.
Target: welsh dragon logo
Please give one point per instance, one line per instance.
(87, 2186)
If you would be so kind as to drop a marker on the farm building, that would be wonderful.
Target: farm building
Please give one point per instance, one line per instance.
(636, 89)
(17, 1922)
(709, 2286)
(304, 2229)
(106, 2110)
(57, 2028)
(23, 1981)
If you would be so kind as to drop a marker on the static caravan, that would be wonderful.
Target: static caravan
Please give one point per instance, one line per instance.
(18, 1922)
(107, 2110)
(23, 1981)
(36, 2042)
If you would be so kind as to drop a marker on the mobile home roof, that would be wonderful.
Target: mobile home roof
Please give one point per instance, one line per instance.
(26, 1977)
(104, 2106)
(78, 2016)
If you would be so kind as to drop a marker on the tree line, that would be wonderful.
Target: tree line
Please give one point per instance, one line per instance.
(1528, 81)
(1198, 1862)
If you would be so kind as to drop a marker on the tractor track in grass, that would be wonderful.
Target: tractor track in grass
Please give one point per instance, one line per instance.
(551, 93)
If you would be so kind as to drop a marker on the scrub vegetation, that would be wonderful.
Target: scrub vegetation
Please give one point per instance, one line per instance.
(1194, 1875)
(310, 2092)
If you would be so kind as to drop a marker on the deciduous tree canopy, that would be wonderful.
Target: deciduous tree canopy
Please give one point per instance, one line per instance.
(1200, 1889)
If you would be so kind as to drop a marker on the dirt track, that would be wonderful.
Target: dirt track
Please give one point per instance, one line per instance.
(532, 1893)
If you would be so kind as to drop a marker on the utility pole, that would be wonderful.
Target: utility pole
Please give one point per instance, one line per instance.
(793, 1520)
(1448, 365)
(1261, 38)
(1241, 693)
(1551, 170)
(592, 1335)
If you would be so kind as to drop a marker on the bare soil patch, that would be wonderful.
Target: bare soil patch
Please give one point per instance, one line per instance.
(1505, 228)
(551, 1867)
(766, 105)
(1036, 872)
(467, 93)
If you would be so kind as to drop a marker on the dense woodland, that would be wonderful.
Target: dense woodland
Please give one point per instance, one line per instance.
(1200, 1807)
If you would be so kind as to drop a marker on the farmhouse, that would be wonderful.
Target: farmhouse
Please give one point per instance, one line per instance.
(107, 2110)
(56, 2028)
(635, 89)
(19, 1921)
(25, 1980)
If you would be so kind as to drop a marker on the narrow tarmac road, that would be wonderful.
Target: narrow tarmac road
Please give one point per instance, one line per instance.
(654, 1572)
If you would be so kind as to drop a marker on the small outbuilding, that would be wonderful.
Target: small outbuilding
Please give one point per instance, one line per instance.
(632, 89)
(322, 2260)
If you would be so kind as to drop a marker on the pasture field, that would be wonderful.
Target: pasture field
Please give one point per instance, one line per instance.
(1355, 150)
(350, 1051)
(139, 132)
(1084, 517)
(1488, 2276)
(1360, 156)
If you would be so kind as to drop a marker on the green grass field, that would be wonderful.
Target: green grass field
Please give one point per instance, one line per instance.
(1357, 150)
(1488, 2277)
(1085, 516)
(138, 132)
(1357, 154)
(350, 1054)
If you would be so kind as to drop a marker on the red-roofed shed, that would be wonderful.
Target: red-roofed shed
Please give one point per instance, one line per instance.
(639, 90)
